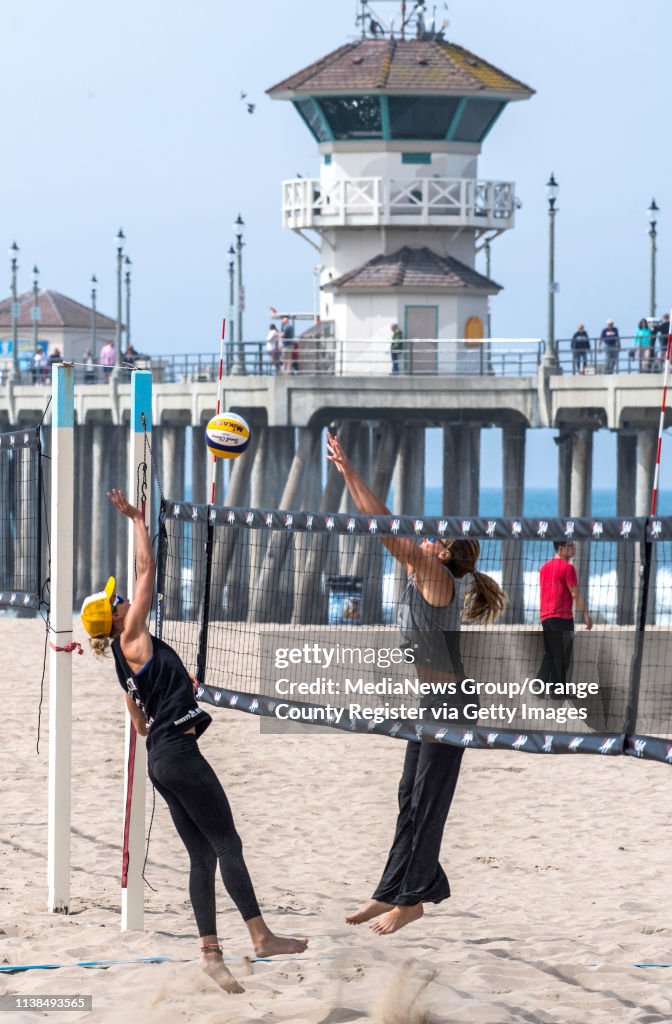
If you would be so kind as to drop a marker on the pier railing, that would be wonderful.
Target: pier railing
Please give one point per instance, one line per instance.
(421, 357)
(597, 358)
(362, 357)
(458, 202)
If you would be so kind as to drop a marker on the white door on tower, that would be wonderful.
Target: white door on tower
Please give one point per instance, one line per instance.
(422, 327)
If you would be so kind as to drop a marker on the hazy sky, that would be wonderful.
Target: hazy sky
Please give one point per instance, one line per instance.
(129, 115)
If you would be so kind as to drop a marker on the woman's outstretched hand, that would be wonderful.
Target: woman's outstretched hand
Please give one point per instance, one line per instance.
(336, 454)
(118, 499)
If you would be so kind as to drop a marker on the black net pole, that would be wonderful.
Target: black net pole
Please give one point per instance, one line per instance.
(38, 555)
(204, 617)
(640, 636)
(162, 553)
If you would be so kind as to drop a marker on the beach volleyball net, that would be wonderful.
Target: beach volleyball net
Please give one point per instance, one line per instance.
(20, 519)
(292, 616)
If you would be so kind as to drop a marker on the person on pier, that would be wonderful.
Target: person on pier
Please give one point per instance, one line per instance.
(161, 700)
(443, 587)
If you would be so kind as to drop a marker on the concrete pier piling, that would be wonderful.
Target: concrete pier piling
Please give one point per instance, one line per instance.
(367, 563)
(461, 469)
(647, 439)
(230, 568)
(580, 497)
(409, 472)
(513, 476)
(626, 469)
(311, 597)
(172, 460)
(272, 598)
(100, 517)
(564, 443)
(84, 555)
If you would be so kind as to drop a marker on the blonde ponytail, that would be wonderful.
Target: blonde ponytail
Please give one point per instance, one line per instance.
(99, 645)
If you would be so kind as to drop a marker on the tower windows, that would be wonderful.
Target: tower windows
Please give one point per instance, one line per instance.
(353, 117)
(312, 115)
(412, 118)
(477, 118)
(421, 117)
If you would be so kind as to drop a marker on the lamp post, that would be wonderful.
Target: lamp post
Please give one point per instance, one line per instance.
(239, 365)
(488, 329)
(94, 282)
(14, 255)
(552, 189)
(653, 212)
(128, 265)
(232, 306)
(36, 308)
(120, 239)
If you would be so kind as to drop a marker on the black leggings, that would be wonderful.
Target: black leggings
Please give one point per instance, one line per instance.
(202, 816)
(413, 873)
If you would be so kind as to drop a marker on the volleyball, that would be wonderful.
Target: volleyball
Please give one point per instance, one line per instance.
(227, 435)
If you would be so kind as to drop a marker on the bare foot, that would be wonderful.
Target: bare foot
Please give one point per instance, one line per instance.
(276, 945)
(368, 909)
(397, 918)
(213, 965)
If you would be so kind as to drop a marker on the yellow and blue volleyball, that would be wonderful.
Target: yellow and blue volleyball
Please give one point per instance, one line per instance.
(227, 435)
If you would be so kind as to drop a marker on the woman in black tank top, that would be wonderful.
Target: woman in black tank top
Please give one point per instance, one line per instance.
(443, 587)
(161, 701)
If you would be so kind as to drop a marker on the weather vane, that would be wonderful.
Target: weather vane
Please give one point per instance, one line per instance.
(413, 14)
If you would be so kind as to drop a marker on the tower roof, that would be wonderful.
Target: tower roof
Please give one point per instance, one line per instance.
(414, 268)
(389, 66)
(56, 310)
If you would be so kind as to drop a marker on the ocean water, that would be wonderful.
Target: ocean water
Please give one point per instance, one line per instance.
(540, 502)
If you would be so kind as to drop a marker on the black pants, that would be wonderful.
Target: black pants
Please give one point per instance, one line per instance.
(556, 665)
(413, 873)
(202, 816)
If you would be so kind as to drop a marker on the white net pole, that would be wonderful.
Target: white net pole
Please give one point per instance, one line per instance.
(135, 752)
(60, 659)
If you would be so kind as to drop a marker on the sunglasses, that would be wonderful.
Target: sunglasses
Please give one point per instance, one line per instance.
(440, 540)
(117, 600)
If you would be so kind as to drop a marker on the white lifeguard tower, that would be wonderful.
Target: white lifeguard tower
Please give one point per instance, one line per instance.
(399, 210)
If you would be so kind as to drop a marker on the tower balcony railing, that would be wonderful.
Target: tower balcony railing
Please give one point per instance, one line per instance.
(413, 202)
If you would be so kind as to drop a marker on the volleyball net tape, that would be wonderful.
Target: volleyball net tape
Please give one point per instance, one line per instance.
(20, 519)
(292, 616)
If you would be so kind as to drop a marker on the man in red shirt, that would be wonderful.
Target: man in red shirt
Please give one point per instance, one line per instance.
(559, 592)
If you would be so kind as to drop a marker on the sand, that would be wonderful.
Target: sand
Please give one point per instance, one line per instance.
(560, 870)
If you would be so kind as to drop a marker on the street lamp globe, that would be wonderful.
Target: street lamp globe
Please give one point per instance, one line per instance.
(120, 239)
(238, 225)
(552, 189)
(36, 277)
(652, 213)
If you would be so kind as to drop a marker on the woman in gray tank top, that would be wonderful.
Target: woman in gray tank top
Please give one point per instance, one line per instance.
(443, 588)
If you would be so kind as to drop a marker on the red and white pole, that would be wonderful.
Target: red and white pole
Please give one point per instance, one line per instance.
(219, 408)
(661, 425)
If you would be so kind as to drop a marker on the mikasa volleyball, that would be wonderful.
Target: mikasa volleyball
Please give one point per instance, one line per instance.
(227, 435)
